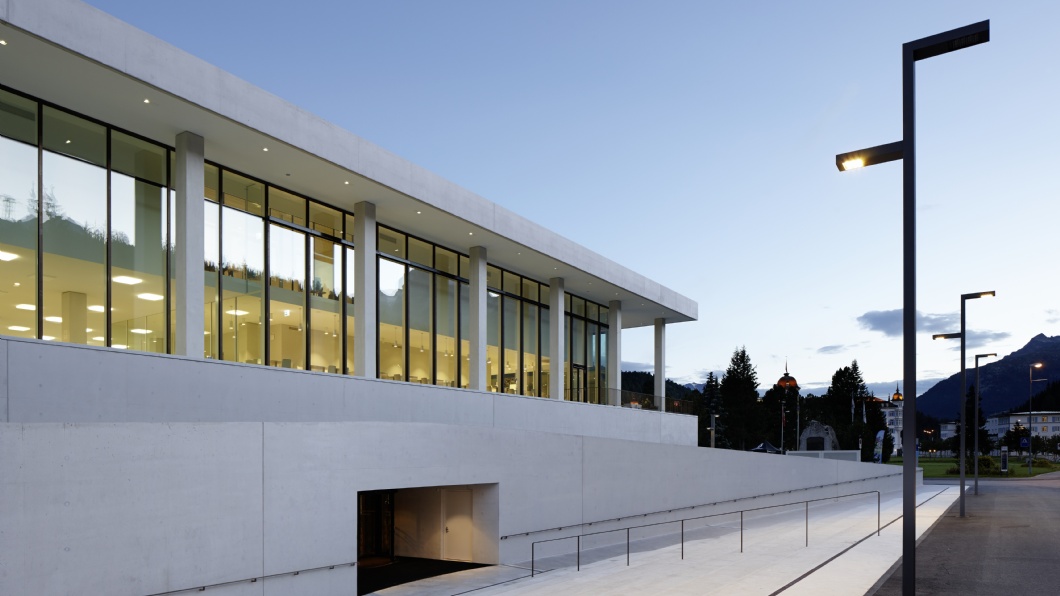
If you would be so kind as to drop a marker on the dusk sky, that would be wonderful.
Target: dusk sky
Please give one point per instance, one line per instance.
(694, 142)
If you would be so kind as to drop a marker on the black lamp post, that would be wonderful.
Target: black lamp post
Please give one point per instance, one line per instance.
(912, 51)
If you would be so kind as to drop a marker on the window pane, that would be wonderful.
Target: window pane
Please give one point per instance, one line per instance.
(419, 334)
(603, 315)
(75, 231)
(421, 252)
(286, 206)
(465, 267)
(577, 306)
(211, 269)
(286, 298)
(350, 319)
(530, 290)
(138, 261)
(243, 193)
(593, 358)
(445, 260)
(603, 365)
(18, 219)
(530, 329)
(592, 311)
(546, 334)
(391, 320)
(325, 290)
(445, 343)
(325, 220)
(493, 341)
(512, 283)
(493, 277)
(212, 182)
(137, 158)
(465, 344)
(391, 243)
(511, 345)
(577, 342)
(348, 234)
(69, 135)
(18, 119)
(242, 281)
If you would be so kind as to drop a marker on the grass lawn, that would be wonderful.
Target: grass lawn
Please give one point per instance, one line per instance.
(936, 467)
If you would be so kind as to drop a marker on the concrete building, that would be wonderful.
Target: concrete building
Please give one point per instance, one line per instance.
(243, 349)
(1046, 424)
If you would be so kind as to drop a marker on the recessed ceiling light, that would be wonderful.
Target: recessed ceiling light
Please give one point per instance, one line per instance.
(205, 332)
(346, 182)
(96, 308)
(140, 331)
(54, 319)
(120, 346)
(470, 233)
(236, 312)
(17, 284)
(3, 42)
(98, 338)
(125, 279)
(147, 100)
(150, 297)
(7, 256)
(25, 307)
(47, 337)
(419, 213)
(265, 149)
(18, 328)
(68, 141)
(88, 330)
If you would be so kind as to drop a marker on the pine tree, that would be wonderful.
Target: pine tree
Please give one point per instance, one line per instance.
(740, 403)
(709, 403)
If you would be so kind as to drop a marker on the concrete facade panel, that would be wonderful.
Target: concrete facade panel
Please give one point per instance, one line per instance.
(129, 508)
(341, 580)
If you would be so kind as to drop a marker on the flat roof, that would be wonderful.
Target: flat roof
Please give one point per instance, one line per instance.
(80, 58)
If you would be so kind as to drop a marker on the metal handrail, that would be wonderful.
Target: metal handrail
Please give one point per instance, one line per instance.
(693, 507)
(251, 579)
(533, 545)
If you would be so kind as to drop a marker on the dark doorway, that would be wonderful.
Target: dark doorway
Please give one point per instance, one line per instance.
(375, 528)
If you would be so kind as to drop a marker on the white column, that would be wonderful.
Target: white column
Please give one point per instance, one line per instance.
(614, 353)
(477, 312)
(556, 345)
(365, 291)
(660, 364)
(189, 309)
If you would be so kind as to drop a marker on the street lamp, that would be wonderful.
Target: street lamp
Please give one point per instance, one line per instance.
(964, 381)
(912, 51)
(975, 412)
(1030, 415)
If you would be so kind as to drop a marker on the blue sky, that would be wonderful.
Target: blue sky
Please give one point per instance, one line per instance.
(695, 142)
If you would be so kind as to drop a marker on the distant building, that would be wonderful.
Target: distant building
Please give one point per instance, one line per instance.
(892, 415)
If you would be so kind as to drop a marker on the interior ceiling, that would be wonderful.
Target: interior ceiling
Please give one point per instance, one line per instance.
(56, 75)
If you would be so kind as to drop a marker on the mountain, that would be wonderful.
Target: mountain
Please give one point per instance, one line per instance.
(1005, 382)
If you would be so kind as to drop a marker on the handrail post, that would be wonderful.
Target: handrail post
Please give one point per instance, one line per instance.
(627, 547)
(579, 553)
(682, 540)
(877, 513)
(807, 523)
(741, 530)
(532, 545)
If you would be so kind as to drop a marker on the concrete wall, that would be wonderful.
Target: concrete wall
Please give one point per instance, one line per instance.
(135, 508)
(106, 385)
(418, 522)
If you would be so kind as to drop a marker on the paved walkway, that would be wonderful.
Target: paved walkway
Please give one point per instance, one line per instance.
(1007, 543)
(844, 556)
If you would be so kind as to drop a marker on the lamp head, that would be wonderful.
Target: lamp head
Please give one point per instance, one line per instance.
(946, 336)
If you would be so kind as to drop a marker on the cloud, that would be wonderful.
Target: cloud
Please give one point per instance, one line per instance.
(889, 322)
(1053, 316)
(831, 349)
(638, 366)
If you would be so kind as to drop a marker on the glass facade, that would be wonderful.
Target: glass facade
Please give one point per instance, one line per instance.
(86, 256)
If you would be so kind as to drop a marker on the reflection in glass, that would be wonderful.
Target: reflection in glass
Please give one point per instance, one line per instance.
(510, 382)
(419, 328)
(284, 205)
(350, 318)
(421, 252)
(74, 230)
(465, 333)
(286, 298)
(546, 347)
(391, 243)
(211, 269)
(494, 365)
(18, 217)
(325, 291)
(325, 220)
(391, 320)
(242, 300)
(530, 365)
(604, 393)
(593, 358)
(446, 304)
(243, 193)
(138, 252)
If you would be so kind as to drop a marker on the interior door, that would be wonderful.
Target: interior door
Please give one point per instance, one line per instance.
(458, 525)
